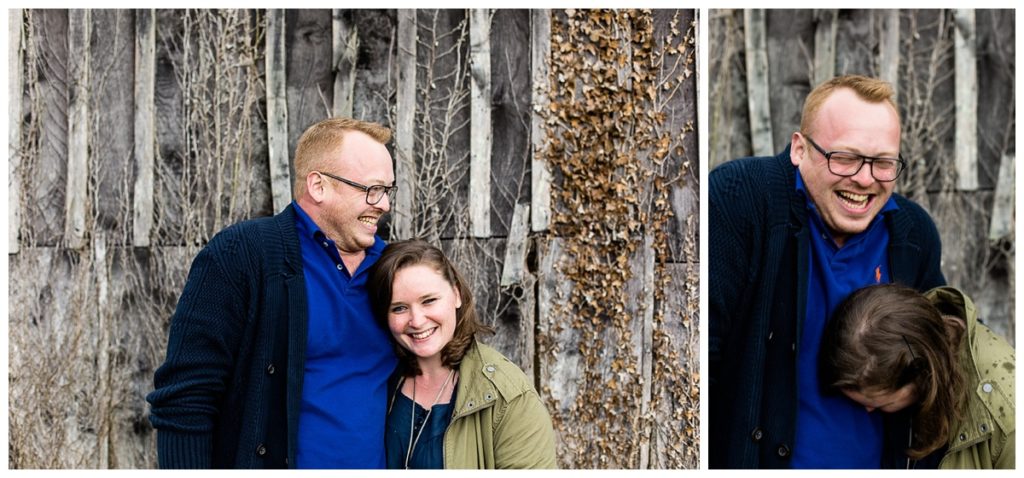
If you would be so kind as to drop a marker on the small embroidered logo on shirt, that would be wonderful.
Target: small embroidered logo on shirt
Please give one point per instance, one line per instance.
(878, 274)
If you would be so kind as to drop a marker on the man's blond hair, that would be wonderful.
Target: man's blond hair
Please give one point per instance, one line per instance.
(868, 89)
(322, 139)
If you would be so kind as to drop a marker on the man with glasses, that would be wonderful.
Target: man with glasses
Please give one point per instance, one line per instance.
(789, 237)
(274, 358)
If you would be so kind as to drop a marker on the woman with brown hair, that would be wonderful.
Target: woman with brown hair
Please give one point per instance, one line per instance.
(892, 349)
(455, 402)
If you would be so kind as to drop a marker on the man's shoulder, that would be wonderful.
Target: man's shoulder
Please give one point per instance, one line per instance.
(255, 233)
(912, 219)
(752, 175)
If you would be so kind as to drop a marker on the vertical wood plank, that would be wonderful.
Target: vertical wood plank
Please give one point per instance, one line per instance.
(966, 100)
(345, 35)
(75, 203)
(405, 104)
(889, 50)
(514, 266)
(15, 89)
(540, 58)
(825, 45)
(757, 82)
(101, 275)
(277, 110)
(510, 116)
(145, 125)
(1002, 206)
(646, 336)
(480, 122)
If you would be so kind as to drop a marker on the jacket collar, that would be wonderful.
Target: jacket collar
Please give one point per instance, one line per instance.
(477, 389)
(985, 399)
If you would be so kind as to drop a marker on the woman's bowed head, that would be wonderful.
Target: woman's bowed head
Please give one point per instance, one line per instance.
(891, 348)
(454, 402)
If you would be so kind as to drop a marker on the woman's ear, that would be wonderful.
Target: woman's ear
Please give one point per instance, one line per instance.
(458, 298)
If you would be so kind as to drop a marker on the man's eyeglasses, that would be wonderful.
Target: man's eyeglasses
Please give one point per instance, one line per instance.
(846, 164)
(373, 193)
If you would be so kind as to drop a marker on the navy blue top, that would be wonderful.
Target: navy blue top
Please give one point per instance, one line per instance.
(429, 451)
(833, 431)
(349, 358)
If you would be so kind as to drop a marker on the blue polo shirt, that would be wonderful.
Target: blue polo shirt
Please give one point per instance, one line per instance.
(349, 358)
(833, 431)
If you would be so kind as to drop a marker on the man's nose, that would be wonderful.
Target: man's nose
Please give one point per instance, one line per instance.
(864, 176)
(385, 203)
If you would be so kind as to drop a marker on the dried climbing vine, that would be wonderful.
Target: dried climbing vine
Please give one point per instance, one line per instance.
(615, 160)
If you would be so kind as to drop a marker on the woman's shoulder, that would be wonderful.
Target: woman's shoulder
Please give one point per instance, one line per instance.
(507, 377)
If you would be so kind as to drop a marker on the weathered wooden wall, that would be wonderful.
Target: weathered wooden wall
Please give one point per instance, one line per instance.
(174, 123)
(954, 73)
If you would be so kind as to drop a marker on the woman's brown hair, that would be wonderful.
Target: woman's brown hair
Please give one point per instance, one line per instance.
(402, 254)
(886, 336)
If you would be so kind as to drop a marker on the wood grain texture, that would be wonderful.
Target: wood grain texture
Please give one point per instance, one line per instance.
(405, 134)
(345, 43)
(966, 100)
(145, 126)
(15, 93)
(540, 58)
(757, 83)
(278, 132)
(480, 122)
(77, 198)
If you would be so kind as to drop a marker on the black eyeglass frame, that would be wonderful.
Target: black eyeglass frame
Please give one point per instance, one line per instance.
(388, 190)
(863, 159)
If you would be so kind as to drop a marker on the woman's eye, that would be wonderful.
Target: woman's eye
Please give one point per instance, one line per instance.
(429, 300)
(398, 309)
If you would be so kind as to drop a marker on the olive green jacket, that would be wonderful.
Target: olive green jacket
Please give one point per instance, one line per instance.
(499, 420)
(984, 438)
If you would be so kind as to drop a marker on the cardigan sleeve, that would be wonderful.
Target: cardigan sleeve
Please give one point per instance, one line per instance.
(204, 336)
(730, 234)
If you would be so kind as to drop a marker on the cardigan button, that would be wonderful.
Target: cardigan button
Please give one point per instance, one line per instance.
(783, 451)
(270, 369)
(261, 450)
(757, 434)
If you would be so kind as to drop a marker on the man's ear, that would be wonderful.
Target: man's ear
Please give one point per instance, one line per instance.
(315, 186)
(796, 148)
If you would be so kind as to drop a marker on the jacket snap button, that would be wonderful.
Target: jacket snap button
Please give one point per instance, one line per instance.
(783, 451)
(757, 434)
(261, 450)
(984, 428)
(963, 436)
(490, 368)
(488, 397)
(270, 369)
(987, 388)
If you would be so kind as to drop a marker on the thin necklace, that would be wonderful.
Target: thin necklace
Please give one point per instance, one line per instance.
(412, 416)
